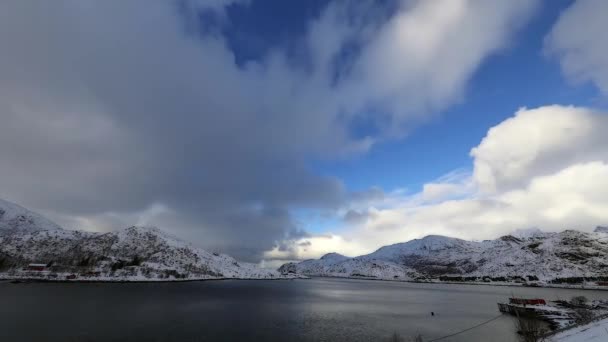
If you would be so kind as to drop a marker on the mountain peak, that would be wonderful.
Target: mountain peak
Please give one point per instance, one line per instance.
(151, 229)
(425, 245)
(136, 232)
(16, 217)
(334, 257)
(526, 233)
(438, 238)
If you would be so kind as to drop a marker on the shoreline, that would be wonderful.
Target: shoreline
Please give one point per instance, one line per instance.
(556, 286)
(97, 281)
(563, 331)
(302, 277)
(26, 280)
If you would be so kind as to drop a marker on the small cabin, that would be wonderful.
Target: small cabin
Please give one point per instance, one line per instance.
(36, 267)
(91, 274)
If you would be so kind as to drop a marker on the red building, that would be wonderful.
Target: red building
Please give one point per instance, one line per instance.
(524, 301)
(36, 267)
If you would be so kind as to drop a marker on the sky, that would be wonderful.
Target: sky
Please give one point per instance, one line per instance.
(283, 130)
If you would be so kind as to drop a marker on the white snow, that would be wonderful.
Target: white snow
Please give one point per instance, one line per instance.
(592, 332)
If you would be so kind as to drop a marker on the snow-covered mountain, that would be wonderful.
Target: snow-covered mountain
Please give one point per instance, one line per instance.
(15, 217)
(135, 253)
(533, 255)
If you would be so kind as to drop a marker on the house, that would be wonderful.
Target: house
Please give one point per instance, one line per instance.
(36, 267)
(91, 274)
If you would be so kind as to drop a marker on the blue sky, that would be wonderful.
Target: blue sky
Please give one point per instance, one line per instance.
(521, 75)
(281, 130)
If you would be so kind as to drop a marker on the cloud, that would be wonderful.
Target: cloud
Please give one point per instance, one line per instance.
(577, 39)
(545, 167)
(429, 50)
(316, 246)
(537, 142)
(354, 217)
(452, 185)
(110, 110)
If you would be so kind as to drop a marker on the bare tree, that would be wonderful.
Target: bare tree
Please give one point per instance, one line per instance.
(395, 337)
(583, 315)
(578, 300)
(530, 329)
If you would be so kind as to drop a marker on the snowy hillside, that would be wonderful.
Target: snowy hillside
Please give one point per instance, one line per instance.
(135, 253)
(592, 332)
(15, 217)
(601, 229)
(565, 257)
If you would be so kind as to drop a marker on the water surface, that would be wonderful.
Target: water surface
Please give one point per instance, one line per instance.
(320, 309)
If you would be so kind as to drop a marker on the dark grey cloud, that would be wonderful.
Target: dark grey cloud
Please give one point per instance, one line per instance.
(115, 115)
(110, 108)
(354, 217)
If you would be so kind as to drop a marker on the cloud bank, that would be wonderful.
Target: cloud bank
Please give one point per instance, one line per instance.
(121, 113)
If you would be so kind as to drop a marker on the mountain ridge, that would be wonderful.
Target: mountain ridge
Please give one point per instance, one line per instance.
(534, 257)
(136, 253)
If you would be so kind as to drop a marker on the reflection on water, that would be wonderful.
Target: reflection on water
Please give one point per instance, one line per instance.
(303, 310)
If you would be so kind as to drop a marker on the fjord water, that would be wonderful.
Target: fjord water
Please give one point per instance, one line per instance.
(320, 309)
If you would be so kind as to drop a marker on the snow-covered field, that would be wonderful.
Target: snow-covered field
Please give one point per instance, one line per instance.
(592, 332)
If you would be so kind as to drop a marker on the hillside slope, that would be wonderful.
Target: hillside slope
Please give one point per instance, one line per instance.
(14, 217)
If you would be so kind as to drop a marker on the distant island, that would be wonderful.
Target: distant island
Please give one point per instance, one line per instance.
(566, 259)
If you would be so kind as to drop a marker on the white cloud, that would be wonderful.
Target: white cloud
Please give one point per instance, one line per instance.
(576, 196)
(429, 50)
(452, 185)
(545, 167)
(537, 142)
(578, 39)
(314, 246)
